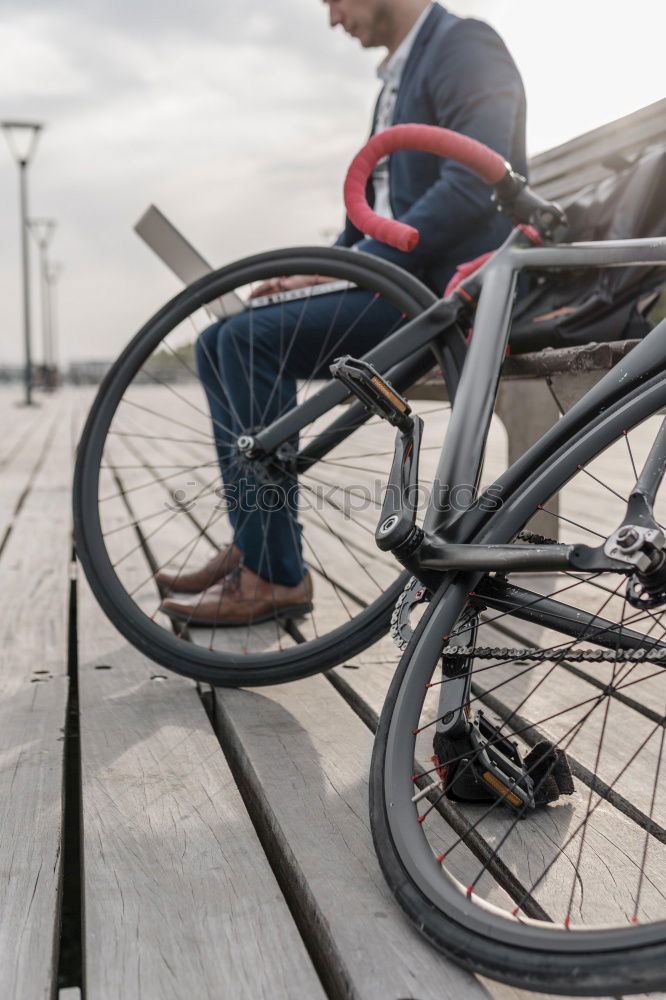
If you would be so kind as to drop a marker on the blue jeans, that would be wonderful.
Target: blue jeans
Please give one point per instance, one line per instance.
(248, 366)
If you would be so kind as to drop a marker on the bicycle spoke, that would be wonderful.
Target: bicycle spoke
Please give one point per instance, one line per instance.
(649, 824)
(350, 552)
(285, 357)
(202, 441)
(625, 435)
(197, 409)
(320, 355)
(567, 520)
(591, 792)
(159, 479)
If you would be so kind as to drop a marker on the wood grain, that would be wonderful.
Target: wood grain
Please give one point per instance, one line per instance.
(179, 897)
(303, 756)
(34, 587)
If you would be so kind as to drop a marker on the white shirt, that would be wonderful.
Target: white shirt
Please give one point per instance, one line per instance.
(390, 72)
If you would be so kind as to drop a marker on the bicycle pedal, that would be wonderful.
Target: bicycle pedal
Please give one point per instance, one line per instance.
(365, 382)
(483, 765)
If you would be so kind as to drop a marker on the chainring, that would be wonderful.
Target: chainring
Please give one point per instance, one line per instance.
(414, 593)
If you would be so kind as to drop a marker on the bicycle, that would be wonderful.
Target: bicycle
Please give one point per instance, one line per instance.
(478, 740)
(454, 787)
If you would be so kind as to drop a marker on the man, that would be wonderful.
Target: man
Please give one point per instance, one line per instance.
(439, 69)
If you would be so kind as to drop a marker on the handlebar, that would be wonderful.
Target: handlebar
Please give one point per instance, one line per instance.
(511, 190)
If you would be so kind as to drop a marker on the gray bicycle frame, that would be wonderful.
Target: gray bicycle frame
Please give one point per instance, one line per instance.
(464, 444)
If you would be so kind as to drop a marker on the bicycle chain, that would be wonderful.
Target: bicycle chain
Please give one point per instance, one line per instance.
(534, 539)
(640, 655)
(570, 656)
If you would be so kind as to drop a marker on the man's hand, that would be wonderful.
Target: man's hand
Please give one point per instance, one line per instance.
(275, 285)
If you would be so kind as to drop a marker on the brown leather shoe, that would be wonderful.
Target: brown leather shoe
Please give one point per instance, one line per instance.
(194, 581)
(242, 598)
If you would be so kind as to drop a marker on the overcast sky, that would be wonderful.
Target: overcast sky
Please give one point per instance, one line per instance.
(238, 119)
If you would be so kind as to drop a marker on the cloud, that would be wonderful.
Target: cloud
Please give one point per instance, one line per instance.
(238, 119)
(195, 107)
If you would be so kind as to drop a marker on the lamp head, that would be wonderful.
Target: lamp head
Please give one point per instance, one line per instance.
(22, 139)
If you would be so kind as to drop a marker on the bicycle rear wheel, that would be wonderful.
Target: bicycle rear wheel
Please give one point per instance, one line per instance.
(569, 896)
(148, 490)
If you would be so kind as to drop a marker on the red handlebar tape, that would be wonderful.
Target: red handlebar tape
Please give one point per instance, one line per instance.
(489, 165)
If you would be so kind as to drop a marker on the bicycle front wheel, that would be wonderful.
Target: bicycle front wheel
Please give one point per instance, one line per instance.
(567, 896)
(149, 490)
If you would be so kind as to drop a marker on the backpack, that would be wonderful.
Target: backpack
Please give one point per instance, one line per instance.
(570, 307)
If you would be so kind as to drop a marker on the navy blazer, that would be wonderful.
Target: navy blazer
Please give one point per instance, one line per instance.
(459, 75)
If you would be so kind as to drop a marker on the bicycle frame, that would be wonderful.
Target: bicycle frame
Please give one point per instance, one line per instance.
(441, 546)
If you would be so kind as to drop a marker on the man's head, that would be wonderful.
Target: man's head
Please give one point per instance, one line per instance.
(376, 22)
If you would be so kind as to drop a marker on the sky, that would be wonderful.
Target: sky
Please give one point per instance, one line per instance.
(238, 119)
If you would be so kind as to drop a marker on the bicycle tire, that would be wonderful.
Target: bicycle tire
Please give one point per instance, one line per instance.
(527, 936)
(321, 649)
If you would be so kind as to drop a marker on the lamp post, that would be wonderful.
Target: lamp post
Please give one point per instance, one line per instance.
(22, 140)
(52, 276)
(43, 230)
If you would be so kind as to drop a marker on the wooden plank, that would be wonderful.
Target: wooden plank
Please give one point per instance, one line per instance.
(22, 464)
(34, 592)
(18, 424)
(179, 897)
(234, 907)
(571, 362)
(652, 116)
(303, 756)
(567, 360)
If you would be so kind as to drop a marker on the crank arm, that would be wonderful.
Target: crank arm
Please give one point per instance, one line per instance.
(397, 531)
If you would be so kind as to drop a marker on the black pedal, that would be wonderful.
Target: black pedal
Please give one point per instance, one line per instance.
(365, 382)
(482, 765)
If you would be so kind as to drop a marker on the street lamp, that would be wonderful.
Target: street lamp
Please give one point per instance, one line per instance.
(43, 230)
(22, 140)
(52, 276)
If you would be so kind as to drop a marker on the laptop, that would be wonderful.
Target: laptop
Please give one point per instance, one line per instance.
(180, 256)
(187, 264)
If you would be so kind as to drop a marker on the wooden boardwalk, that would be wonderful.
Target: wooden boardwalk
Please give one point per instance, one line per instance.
(160, 840)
